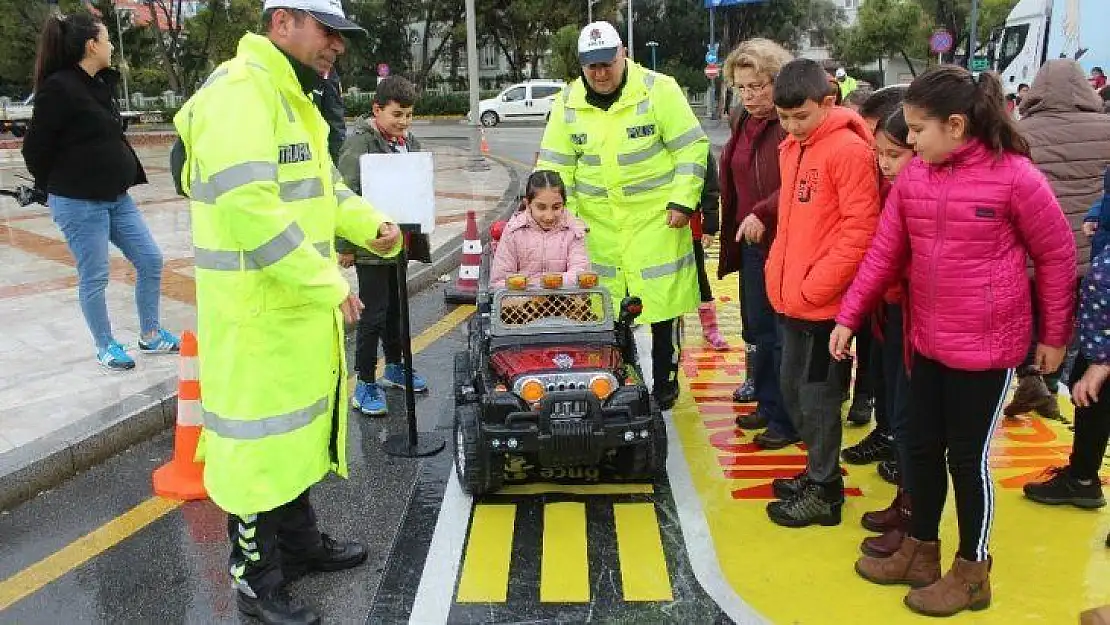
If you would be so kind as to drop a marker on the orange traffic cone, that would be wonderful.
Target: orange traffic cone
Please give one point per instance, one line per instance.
(465, 289)
(484, 144)
(182, 477)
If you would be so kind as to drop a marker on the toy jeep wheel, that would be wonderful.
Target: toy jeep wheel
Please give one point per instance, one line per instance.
(647, 461)
(479, 471)
(463, 376)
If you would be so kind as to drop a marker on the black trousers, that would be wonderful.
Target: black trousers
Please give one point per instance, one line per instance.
(1092, 430)
(954, 413)
(703, 278)
(261, 542)
(380, 321)
(666, 348)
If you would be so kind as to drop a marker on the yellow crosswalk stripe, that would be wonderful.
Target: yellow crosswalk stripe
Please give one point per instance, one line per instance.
(643, 566)
(544, 488)
(564, 565)
(485, 571)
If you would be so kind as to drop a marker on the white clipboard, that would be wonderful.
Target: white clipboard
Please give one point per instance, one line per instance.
(402, 186)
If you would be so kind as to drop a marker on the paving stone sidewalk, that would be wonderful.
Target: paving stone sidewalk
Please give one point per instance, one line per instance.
(56, 402)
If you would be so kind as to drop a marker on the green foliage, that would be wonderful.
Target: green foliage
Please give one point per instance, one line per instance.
(21, 21)
(564, 54)
(691, 78)
(150, 81)
(885, 28)
(212, 36)
(784, 21)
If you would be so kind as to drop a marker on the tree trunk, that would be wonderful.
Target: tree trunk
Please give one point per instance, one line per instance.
(909, 63)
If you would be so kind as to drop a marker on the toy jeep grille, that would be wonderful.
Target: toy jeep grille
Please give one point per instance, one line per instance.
(523, 309)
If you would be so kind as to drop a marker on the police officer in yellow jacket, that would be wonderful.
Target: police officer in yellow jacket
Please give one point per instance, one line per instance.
(633, 156)
(267, 203)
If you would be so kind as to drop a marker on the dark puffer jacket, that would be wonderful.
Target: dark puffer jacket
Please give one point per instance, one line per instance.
(1069, 137)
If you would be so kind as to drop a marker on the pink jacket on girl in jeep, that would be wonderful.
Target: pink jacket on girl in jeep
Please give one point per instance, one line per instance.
(964, 229)
(528, 249)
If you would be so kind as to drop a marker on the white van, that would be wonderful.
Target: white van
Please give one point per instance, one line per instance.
(526, 101)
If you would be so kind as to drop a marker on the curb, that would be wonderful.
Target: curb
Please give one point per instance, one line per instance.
(43, 464)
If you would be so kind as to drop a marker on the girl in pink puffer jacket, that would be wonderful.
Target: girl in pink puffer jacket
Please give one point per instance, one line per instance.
(962, 218)
(541, 238)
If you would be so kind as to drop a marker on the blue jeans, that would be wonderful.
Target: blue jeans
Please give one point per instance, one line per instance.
(763, 329)
(88, 226)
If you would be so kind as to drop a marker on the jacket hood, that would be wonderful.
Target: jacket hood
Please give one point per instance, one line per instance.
(523, 219)
(1060, 87)
(840, 118)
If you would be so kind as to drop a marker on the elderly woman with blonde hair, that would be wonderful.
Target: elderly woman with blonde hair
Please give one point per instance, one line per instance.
(749, 177)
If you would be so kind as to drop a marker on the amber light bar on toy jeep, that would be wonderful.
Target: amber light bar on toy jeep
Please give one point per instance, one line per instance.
(519, 282)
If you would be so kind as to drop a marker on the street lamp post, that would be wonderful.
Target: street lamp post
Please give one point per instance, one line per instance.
(590, 10)
(631, 55)
(476, 162)
(124, 69)
(971, 32)
(653, 45)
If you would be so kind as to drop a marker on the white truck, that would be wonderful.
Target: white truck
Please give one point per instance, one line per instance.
(15, 118)
(1038, 30)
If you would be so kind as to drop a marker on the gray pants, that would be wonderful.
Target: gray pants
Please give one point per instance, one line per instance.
(813, 388)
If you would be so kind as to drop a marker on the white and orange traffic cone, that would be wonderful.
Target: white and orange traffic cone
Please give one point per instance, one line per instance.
(484, 145)
(183, 477)
(465, 289)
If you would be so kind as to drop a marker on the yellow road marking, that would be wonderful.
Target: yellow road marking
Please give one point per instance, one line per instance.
(544, 488)
(564, 565)
(83, 549)
(643, 567)
(31, 579)
(485, 571)
(432, 334)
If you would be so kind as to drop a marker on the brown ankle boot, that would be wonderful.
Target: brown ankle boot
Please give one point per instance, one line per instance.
(882, 521)
(966, 586)
(1096, 616)
(888, 544)
(916, 563)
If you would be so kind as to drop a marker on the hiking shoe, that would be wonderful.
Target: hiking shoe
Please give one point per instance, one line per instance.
(754, 421)
(163, 343)
(889, 471)
(860, 411)
(394, 375)
(370, 400)
(789, 487)
(115, 357)
(810, 507)
(874, 447)
(1062, 488)
(770, 440)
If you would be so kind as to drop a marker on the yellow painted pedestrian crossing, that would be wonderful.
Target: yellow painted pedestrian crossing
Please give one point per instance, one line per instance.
(577, 540)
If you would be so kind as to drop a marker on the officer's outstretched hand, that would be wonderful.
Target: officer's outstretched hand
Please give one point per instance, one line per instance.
(677, 218)
(388, 233)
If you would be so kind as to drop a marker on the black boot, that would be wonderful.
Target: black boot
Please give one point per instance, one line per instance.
(745, 393)
(276, 608)
(863, 404)
(874, 447)
(889, 471)
(666, 394)
(815, 504)
(757, 420)
(770, 440)
(331, 555)
(787, 488)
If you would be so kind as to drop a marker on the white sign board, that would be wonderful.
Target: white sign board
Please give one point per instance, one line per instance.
(401, 186)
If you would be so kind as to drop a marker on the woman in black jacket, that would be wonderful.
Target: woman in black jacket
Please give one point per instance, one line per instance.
(76, 150)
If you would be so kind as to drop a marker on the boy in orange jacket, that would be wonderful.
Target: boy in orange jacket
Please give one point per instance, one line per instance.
(828, 211)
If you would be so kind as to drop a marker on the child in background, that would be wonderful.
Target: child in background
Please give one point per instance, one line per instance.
(828, 209)
(386, 132)
(704, 224)
(962, 218)
(894, 152)
(541, 238)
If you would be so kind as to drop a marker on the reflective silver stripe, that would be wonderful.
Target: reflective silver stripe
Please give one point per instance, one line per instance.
(605, 271)
(342, 195)
(232, 178)
(258, 66)
(278, 247)
(221, 260)
(642, 155)
(643, 108)
(692, 169)
(667, 269)
(324, 247)
(288, 109)
(687, 138)
(336, 175)
(589, 189)
(649, 184)
(649, 81)
(255, 429)
(557, 157)
(306, 189)
(569, 115)
(590, 159)
(216, 75)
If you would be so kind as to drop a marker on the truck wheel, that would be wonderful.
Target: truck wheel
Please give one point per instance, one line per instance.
(479, 471)
(463, 376)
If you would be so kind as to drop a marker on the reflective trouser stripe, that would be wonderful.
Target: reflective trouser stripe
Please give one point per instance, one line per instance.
(232, 178)
(605, 271)
(693, 169)
(666, 269)
(557, 157)
(255, 429)
(642, 155)
(685, 139)
(650, 184)
(588, 189)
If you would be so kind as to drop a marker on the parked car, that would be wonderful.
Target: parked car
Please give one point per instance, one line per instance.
(526, 101)
(551, 375)
(15, 118)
